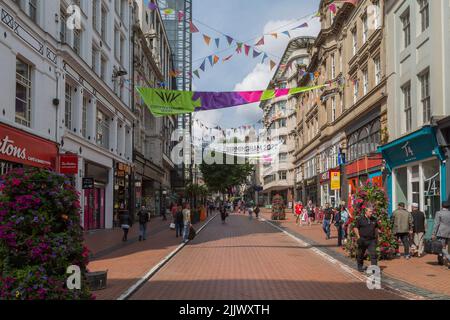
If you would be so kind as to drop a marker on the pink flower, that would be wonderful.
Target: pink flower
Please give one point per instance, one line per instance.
(15, 182)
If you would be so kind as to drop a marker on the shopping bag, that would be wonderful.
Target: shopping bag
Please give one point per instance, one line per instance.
(172, 226)
(433, 246)
(192, 233)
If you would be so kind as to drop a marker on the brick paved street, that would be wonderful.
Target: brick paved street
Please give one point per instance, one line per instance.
(423, 273)
(251, 260)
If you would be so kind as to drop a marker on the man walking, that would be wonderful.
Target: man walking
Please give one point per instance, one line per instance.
(366, 231)
(179, 221)
(186, 221)
(419, 229)
(143, 220)
(441, 231)
(328, 217)
(403, 226)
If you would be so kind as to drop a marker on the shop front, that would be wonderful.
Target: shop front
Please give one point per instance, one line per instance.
(364, 170)
(19, 149)
(330, 188)
(311, 190)
(94, 183)
(122, 196)
(416, 172)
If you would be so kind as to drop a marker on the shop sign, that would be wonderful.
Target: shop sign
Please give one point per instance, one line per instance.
(324, 177)
(335, 183)
(20, 147)
(88, 183)
(310, 181)
(68, 164)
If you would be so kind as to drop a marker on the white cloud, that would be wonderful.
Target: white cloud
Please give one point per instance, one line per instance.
(258, 79)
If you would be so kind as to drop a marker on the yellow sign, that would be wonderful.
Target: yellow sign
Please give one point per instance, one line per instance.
(335, 177)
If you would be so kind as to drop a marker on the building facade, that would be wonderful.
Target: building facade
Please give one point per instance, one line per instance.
(419, 92)
(278, 175)
(340, 126)
(152, 137)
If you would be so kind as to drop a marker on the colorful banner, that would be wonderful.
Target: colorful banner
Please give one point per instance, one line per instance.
(335, 177)
(170, 102)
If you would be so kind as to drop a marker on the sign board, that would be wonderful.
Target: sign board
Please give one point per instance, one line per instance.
(335, 177)
(88, 183)
(68, 164)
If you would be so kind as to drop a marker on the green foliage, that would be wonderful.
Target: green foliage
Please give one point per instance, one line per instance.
(40, 236)
(222, 177)
(278, 208)
(387, 244)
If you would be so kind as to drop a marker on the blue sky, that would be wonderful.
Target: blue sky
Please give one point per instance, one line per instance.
(244, 20)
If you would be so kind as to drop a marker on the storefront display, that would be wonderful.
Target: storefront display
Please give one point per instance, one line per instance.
(94, 197)
(121, 190)
(416, 172)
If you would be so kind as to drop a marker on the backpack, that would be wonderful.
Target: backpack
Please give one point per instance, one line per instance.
(143, 217)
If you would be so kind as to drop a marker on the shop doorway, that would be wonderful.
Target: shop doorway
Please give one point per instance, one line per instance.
(94, 208)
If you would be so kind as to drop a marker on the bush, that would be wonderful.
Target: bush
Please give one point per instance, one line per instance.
(40, 236)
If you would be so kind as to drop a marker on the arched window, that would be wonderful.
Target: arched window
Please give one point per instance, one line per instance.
(375, 135)
(363, 142)
(352, 146)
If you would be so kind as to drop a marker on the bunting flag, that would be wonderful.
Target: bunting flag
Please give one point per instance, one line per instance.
(332, 8)
(272, 64)
(202, 67)
(193, 28)
(168, 11)
(286, 33)
(197, 74)
(229, 39)
(171, 102)
(152, 6)
(264, 57)
(227, 58)
(216, 59)
(217, 40)
(180, 16)
(239, 47)
(210, 58)
(260, 42)
(207, 39)
(275, 35)
(256, 54)
(304, 25)
(247, 49)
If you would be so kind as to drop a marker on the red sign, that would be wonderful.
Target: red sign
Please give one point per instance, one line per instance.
(21, 147)
(364, 164)
(68, 164)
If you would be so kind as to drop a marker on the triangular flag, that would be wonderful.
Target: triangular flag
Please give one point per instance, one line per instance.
(216, 59)
(332, 8)
(304, 25)
(260, 42)
(207, 39)
(168, 11)
(202, 67)
(272, 64)
(211, 60)
(256, 54)
(196, 73)
(239, 47)
(227, 58)
(275, 35)
(217, 42)
(286, 33)
(264, 57)
(230, 40)
(247, 49)
(193, 28)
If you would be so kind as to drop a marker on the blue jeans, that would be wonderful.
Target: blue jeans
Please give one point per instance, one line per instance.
(143, 230)
(186, 232)
(326, 227)
(179, 229)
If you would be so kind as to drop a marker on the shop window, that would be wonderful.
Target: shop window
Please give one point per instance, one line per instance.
(432, 187)
(401, 186)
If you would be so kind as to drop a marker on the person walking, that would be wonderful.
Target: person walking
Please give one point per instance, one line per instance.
(298, 212)
(179, 221)
(402, 221)
(223, 213)
(419, 229)
(345, 218)
(310, 211)
(126, 223)
(257, 211)
(441, 231)
(366, 231)
(186, 222)
(143, 220)
(327, 219)
(250, 213)
(338, 223)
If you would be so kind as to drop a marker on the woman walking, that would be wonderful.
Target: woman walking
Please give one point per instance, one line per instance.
(126, 224)
(223, 213)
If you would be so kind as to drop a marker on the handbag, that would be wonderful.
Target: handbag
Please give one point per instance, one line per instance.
(172, 226)
(433, 246)
(192, 233)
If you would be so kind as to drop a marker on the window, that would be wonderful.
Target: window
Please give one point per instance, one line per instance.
(95, 14)
(355, 90)
(33, 10)
(377, 63)
(364, 141)
(23, 93)
(424, 14)
(377, 18)
(425, 91)
(283, 139)
(102, 129)
(103, 68)
(333, 66)
(365, 28)
(95, 54)
(365, 81)
(84, 118)
(282, 123)
(406, 28)
(333, 109)
(282, 175)
(406, 89)
(103, 23)
(68, 107)
(62, 27)
(354, 41)
(283, 157)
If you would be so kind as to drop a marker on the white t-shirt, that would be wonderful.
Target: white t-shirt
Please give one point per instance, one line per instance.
(186, 216)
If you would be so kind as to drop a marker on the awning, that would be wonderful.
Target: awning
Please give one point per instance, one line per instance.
(419, 145)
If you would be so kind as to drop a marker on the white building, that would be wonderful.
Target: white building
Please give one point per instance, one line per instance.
(418, 71)
(278, 175)
(73, 88)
